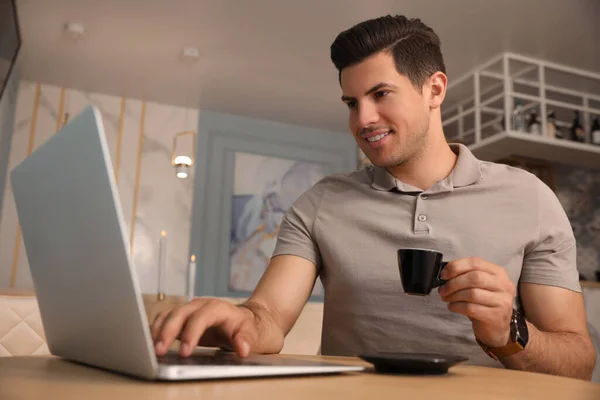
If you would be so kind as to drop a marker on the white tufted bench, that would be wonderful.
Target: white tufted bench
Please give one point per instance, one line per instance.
(21, 331)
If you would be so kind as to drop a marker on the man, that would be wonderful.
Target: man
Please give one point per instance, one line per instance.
(512, 287)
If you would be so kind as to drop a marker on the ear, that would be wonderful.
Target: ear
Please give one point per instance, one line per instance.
(436, 89)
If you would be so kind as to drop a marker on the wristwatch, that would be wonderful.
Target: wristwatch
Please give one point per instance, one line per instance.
(519, 336)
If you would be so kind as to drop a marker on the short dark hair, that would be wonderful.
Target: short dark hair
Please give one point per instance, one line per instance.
(416, 48)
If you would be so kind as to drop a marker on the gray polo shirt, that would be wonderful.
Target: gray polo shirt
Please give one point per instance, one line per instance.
(350, 226)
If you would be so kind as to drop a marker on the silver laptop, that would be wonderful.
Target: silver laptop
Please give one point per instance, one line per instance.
(78, 251)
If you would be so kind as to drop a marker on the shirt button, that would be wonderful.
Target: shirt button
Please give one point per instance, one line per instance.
(422, 218)
(424, 197)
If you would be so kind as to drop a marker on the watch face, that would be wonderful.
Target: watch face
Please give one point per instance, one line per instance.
(522, 332)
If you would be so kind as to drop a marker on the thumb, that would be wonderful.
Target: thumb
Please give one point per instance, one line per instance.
(244, 338)
(241, 346)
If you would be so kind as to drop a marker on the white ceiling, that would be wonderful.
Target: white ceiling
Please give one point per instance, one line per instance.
(270, 58)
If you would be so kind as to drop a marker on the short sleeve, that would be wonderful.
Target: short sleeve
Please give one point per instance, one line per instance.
(296, 234)
(551, 259)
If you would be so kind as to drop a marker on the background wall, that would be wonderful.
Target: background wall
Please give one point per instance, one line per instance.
(140, 136)
(578, 190)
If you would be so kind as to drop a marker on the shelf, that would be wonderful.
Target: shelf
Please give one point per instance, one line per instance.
(512, 143)
(479, 110)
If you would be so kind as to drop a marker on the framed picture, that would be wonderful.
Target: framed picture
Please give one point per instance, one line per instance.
(248, 172)
(264, 188)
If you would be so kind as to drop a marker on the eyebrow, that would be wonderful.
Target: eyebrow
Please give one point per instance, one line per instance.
(375, 88)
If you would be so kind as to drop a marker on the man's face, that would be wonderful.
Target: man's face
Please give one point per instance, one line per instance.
(389, 118)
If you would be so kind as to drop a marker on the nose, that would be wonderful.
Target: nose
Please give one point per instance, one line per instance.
(367, 115)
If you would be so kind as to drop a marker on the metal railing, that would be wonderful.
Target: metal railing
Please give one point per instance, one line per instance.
(509, 75)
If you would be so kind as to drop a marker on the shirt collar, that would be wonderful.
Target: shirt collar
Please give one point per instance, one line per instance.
(466, 172)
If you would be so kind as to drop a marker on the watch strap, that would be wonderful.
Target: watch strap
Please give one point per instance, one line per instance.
(501, 352)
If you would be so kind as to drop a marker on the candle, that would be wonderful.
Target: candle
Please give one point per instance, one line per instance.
(162, 265)
(191, 278)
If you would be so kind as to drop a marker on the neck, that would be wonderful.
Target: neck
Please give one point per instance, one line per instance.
(431, 164)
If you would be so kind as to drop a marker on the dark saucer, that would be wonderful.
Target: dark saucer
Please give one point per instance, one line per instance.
(412, 363)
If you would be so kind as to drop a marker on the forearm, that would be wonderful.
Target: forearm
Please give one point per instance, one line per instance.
(270, 336)
(556, 353)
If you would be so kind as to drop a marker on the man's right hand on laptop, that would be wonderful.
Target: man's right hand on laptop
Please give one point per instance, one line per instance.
(205, 322)
(258, 325)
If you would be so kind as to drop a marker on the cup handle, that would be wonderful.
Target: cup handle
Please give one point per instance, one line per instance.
(439, 281)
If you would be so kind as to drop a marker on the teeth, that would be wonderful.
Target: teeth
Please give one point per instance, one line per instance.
(378, 137)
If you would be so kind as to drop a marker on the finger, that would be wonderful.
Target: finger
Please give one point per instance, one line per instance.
(475, 295)
(212, 317)
(245, 337)
(470, 280)
(173, 324)
(464, 265)
(157, 324)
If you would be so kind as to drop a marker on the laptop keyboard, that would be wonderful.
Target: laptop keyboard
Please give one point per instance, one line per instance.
(217, 359)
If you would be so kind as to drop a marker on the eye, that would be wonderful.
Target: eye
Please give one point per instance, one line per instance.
(351, 104)
(381, 93)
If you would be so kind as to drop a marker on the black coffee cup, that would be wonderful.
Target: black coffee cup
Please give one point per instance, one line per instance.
(420, 270)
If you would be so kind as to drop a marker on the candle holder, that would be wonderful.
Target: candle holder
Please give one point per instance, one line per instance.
(191, 278)
(162, 265)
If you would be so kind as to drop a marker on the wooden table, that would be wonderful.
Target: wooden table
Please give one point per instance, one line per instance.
(49, 378)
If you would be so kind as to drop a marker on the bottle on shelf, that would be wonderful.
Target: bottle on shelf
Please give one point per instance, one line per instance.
(518, 117)
(498, 124)
(595, 132)
(577, 132)
(534, 126)
(552, 130)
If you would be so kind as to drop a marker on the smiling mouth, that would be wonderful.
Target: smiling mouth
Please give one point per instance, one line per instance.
(376, 138)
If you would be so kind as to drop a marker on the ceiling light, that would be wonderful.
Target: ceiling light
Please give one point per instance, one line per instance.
(182, 157)
(189, 54)
(185, 160)
(75, 29)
